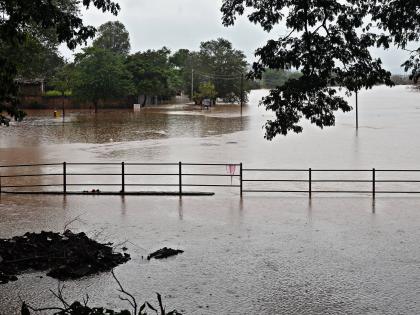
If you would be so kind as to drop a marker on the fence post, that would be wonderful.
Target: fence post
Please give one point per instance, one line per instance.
(180, 178)
(64, 177)
(310, 182)
(240, 177)
(373, 183)
(122, 177)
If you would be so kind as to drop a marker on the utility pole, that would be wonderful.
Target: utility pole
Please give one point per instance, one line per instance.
(192, 84)
(63, 99)
(357, 110)
(242, 90)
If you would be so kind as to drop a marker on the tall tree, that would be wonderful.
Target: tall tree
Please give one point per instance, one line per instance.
(328, 42)
(20, 19)
(216, 62)
(37, 60)
(225, 65)
(63, 81)
(153, 74)
(113, 36)
(100, 74)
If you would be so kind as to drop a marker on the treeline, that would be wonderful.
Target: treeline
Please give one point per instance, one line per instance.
(107, 70)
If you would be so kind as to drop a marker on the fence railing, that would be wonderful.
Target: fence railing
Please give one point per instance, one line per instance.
(66, 178)
(63, 174)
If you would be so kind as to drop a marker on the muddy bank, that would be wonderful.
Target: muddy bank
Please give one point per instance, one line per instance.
(65, 256)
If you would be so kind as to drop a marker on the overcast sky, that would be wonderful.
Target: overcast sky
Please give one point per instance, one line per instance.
(185, 23)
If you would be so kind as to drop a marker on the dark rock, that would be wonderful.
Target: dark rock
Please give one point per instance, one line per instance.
(164, 253)
(4, 278)
(66, 256)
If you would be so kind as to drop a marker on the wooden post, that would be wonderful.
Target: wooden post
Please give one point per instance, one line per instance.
(180, 178)
(64, 177)
(122, 177)
(373, 183)
(310, 182)
(240, 178)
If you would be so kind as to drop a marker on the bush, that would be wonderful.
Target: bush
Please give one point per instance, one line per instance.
(55, 93)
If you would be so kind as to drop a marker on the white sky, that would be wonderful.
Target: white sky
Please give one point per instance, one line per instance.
(176, 24)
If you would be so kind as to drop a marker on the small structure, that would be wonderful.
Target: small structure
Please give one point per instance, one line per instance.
(31, 87)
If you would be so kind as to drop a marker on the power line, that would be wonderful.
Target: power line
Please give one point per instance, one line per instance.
(214, 76)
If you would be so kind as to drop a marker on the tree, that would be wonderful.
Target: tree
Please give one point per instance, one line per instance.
(113, 36)
(226, 65)
(205, 90)
(37, 60)
(217, 62)
(401, 20)
(153, 74)
(20, 19)
(100, 74)
(328, 42)
(62, 81)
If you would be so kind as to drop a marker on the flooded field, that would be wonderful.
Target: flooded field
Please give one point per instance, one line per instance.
(263, 254)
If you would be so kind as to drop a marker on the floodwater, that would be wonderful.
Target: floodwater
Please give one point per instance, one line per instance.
(262, 254)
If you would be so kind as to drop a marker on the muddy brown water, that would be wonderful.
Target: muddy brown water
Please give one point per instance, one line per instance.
(264, 254)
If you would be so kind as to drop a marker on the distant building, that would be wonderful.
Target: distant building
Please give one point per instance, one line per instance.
(33, 87)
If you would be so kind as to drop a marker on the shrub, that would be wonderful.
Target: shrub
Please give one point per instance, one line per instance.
(55, 93)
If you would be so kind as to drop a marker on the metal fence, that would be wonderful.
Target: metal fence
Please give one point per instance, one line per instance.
(67, 178)
(176, 178)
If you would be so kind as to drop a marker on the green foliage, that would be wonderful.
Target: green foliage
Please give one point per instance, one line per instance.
(329, 42)
(205, 90)
(217, 62)
(153, 74)
(63, 79)
(34, 23)
(56, 93)
(113, 36)
(100, 74)
(37, 60)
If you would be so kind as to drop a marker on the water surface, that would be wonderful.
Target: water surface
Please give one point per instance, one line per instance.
(263, 254)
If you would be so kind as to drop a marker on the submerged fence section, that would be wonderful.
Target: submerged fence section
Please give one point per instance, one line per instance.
(185, 178)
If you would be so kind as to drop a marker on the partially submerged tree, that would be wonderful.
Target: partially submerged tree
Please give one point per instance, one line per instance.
(113, 36)
(153, 74)
(328, 42)
(100, 74)
(206, 90)
(63, 81)
(21, 19)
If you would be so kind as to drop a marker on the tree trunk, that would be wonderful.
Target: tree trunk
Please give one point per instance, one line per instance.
(95, 104)
(144, 101)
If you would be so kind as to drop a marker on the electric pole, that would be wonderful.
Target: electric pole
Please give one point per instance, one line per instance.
(192, 84)
(357, 110)
(242, 90)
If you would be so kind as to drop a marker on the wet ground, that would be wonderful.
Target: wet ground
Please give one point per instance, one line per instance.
(264, 254)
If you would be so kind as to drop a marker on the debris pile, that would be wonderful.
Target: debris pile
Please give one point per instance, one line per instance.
(164, 253)
(66, 256)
